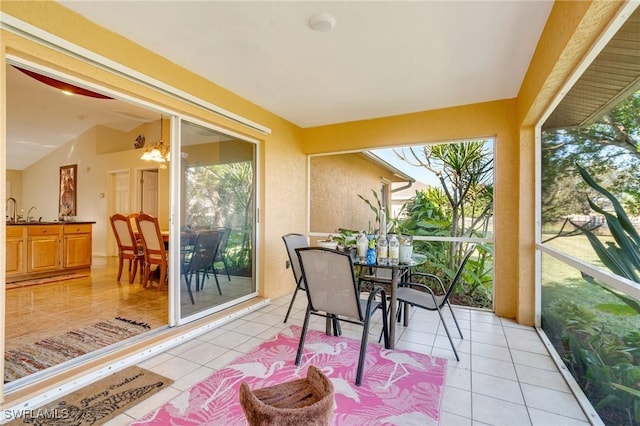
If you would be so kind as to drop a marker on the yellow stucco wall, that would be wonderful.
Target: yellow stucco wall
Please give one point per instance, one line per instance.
(490, 119)
(336, 181)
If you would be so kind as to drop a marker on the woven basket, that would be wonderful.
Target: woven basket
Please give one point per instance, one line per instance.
(299, 402)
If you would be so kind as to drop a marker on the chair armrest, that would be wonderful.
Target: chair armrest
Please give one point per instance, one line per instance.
(372, 296)
(431, 277)
(374, 293)
(425, 288)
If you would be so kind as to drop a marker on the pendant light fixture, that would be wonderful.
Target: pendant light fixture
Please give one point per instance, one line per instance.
(159, 152)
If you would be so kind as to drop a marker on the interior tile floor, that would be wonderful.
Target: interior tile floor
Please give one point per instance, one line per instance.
(40, 311)
(504, 377)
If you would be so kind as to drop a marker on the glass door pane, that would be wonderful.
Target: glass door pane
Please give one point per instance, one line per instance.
(216, 220)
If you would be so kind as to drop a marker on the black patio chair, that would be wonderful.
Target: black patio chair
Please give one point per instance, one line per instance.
(332, 292)
(293, 241)
(200, 259)
(221, 255)
(422, 296)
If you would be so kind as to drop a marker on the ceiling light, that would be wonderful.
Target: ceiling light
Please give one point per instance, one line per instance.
(159, 152)
(322, 22)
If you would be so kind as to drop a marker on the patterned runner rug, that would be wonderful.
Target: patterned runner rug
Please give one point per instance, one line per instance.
(97, 403)
(398, 387)
(55, 350)
(39, 281)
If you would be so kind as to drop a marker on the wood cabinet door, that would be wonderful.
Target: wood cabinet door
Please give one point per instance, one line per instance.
(15, 256)
(77, 250)
(43, 253)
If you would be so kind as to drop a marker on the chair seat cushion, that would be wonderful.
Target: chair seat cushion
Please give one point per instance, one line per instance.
(363, 306)
(417, 298)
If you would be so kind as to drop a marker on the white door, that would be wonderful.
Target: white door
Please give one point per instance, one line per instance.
(120, 202)
(121, 193)
(149, 192)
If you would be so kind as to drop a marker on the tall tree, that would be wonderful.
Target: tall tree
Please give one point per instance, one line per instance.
(465, 172)
(609, 148)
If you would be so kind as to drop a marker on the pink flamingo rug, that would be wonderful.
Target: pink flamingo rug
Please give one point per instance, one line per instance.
(398, 387)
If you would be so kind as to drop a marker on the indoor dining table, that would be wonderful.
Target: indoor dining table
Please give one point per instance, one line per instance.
(400, 271)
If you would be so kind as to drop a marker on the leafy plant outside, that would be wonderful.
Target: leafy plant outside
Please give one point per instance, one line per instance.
(600, 347)
(461, 206)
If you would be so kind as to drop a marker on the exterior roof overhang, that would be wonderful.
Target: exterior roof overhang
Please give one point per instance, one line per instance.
(402, 176)
(611, 77)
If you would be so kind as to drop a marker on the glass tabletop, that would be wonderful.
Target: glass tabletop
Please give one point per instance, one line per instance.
(416, 259)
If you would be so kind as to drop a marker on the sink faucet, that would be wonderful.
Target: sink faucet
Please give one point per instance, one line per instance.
(29, 214)
(13, 218)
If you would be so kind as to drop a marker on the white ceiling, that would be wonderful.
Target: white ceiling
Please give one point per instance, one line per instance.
(382, 58)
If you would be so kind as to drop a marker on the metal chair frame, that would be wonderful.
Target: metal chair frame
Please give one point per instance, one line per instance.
(422, 296)
(327, 279)
(292, 242)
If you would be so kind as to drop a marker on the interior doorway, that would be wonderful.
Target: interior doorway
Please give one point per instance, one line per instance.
(148, 191)
(119, 201)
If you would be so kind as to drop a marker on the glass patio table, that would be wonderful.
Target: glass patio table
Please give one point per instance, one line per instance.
(399, 272)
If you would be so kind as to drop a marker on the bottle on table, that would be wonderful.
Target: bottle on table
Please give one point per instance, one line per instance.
(383, 249)
(371, 252)
(394, 249)
(363, 245)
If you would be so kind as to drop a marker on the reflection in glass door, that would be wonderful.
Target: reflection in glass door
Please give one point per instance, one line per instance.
(216, 220)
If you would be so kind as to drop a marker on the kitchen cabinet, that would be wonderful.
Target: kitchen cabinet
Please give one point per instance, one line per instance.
(37, 249)
(16, 250)
(43, 248)
(76, 246)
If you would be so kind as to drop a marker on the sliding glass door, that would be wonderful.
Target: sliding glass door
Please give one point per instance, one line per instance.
(217, 220)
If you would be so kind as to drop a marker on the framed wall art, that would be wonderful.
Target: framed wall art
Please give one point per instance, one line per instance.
(68, 185)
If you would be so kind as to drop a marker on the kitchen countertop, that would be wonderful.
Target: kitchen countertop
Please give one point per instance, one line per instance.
(80, 222)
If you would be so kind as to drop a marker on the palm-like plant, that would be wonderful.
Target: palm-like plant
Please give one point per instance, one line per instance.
(623, 256)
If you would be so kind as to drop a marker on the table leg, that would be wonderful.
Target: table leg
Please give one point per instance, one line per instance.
(392, 307)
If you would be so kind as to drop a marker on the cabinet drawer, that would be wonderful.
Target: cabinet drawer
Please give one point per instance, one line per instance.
(35, 230)
(15, 231)
(77, 229)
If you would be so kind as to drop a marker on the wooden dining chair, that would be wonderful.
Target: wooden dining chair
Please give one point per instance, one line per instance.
(154, 249)
(128, 248)
(132, 220)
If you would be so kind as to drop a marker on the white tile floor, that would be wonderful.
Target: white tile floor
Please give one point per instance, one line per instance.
(504, 377)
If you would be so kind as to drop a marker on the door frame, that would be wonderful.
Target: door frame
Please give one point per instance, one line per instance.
(112, 248)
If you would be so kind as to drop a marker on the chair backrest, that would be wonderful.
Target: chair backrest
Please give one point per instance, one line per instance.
(132, 221)
(458, 276)
(124, 235)
(205, 250)
(224, 239)
(292, 242)
(330, 282)
(151, 235)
